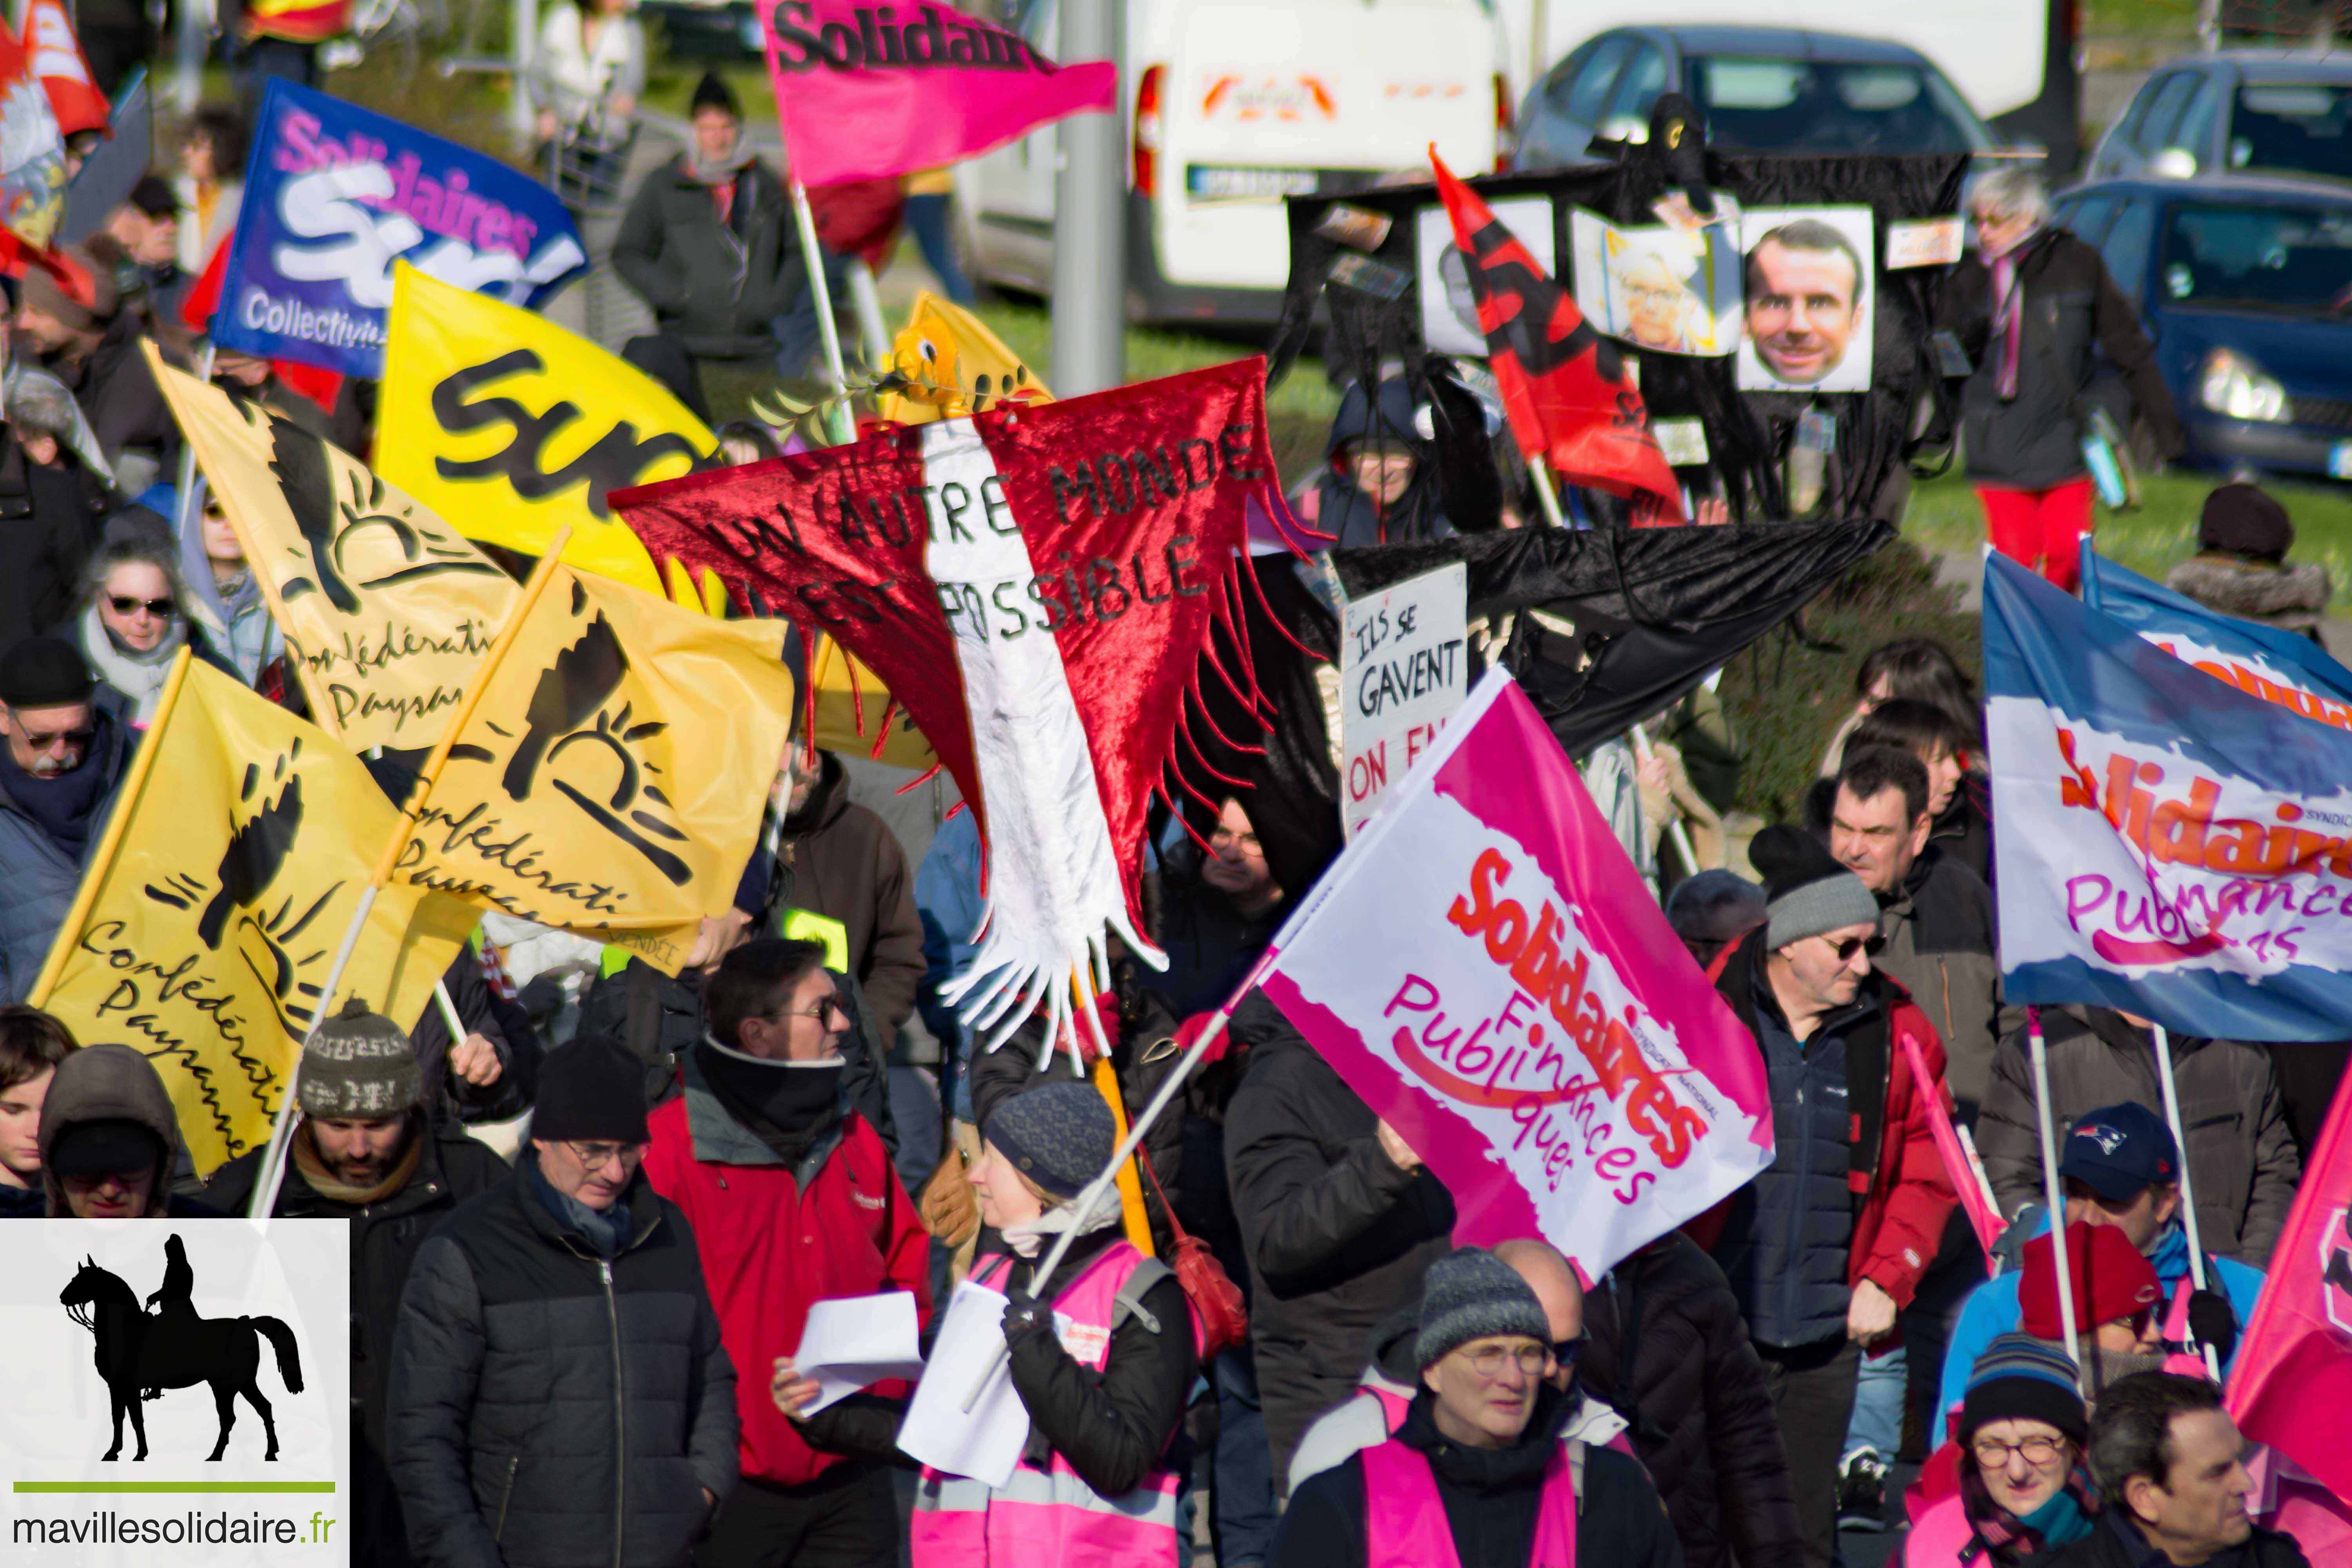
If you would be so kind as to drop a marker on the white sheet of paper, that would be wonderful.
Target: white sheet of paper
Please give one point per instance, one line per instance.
(855, 1341)
(984, 1442)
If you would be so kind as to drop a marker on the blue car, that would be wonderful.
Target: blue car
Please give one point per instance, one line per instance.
(2244, 285)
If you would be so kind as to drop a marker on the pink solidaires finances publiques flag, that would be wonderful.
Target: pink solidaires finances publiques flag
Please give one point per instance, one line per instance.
(873, 89)
(1487, 969)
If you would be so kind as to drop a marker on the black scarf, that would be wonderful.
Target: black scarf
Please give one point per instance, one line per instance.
(786, 1106)
(65, 806)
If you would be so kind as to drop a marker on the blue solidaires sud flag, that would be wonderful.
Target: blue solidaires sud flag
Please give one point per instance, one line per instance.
(2269, 662)
(2168, 843)
(334, 193)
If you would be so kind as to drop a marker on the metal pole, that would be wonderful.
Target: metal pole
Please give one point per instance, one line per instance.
(1676, 833)
(1089, 218)
(828, 331)
(2053, 1194)
(2179, 1142)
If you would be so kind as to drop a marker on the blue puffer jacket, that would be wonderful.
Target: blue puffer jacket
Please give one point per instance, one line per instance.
(36, 891)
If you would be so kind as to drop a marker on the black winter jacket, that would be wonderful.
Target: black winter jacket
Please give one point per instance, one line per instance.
(550, 1406)
(2035, 440)
(2108, 1546)
(505, 1025)
(1337, 1235)
(1111, 1426)
(2240, 1155)
(1935, 937)
(386, 1238)
(1666, 1345)
(1491, 1499)
(117, 393)
(717, 285)
(50, 517)
(841, 861)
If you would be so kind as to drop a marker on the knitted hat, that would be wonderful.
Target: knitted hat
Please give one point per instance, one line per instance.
(1806, 891)
(2119, 1151)
(1471, 1294)
(2111, 1280)
(2244, 520)
(2018, 1377)
(44, 672)
(359, 1064)
(591, 1091)
(712, 93)
(1715, 906)
(1059, 1135)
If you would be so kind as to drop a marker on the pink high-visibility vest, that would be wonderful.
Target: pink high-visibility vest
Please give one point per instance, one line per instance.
(1051, 1515)
(1940, 1538)
(1404, 1519)
(1393, 1405)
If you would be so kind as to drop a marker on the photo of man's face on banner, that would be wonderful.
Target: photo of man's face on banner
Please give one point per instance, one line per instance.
(1660, 290)
(1449, 311)
(1809, 298)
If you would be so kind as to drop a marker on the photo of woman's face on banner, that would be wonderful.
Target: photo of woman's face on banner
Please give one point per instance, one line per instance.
(1660, 290)
(1809, 298)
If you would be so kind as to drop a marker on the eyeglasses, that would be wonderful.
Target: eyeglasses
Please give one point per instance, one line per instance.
(594, 1157)
(1245, 842)
(57, 740)
(821, 1012)
(1488, 1363)
(162, 609)
(2040, 1452)
(1850, 949)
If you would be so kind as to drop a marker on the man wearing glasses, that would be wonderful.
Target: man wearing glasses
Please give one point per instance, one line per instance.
(67, 747)
(1829, 1242)
(560, 1394)
(1487, 1470)
(793, 1199)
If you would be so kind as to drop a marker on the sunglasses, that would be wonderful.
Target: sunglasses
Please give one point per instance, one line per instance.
(162, 609)
(55, 739)
(1848, 950)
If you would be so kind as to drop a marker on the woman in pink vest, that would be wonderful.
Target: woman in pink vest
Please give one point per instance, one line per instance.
(1103, 1364)
(2023, 1487)
(1479, 1475)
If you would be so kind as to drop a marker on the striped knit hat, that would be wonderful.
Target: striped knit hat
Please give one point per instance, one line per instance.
(2019, 1376)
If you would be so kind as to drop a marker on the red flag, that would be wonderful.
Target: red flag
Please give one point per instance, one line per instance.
(64, 71)
(2293, 1381)
(1564, 386)
(203, 298)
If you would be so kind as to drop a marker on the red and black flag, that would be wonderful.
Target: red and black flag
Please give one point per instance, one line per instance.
(1565, 387)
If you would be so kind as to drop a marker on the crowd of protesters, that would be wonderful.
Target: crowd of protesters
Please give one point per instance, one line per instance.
(589, 1220)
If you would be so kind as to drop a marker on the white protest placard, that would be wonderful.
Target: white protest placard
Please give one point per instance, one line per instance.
(855, 1341)
(948, 1426)
(1403, 668)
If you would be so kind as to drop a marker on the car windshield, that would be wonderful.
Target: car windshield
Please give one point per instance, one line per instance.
(2296, 259)
(2294, 126)
(1767, 105)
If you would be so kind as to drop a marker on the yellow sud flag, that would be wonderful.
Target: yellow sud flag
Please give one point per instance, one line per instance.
(511, 427)
(954, 366)
(206, 923)
(610, 774)
(387, 612)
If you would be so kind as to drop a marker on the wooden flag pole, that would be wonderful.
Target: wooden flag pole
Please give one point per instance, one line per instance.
(273, 1163)
(109, 843)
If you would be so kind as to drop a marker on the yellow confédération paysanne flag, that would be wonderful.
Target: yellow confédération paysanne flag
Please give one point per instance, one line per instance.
(205, 925)
(510, 427)
(956, 366)
(610, 777)
(387, 610)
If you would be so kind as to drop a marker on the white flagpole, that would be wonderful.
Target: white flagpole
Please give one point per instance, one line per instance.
(2053, 1195)
(2163, 1043)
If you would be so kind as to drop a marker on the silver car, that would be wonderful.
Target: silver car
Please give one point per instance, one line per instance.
(2240, 111)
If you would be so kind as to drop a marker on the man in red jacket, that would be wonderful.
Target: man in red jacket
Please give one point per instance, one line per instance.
(1826, 1245)
(792, 1201)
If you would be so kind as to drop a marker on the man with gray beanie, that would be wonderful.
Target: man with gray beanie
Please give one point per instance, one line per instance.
(363, 1150)
(1482, 1473)
(1829, 1242)
(560, 1396)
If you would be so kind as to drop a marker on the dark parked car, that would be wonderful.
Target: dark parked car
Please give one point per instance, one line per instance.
(2241, 111)
(1767, 89)
(707, 30)
(2245, 286)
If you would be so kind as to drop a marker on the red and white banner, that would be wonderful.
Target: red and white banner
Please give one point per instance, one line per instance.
(57, 60)
(2293, 1381)
(1036, 584)
(865, 90)
(1485, 967)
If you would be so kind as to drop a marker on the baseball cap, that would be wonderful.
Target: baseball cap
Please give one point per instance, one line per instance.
(2119, 1151)
(152, 197)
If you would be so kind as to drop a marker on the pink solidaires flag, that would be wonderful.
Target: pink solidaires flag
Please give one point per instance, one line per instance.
(873, 89)
(1485, 967)
(2293, 1381)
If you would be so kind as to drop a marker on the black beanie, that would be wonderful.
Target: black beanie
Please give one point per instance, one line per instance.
(712, 93)
(2245, 519)
(591, 1091)
(44, 672)
(1806, 891)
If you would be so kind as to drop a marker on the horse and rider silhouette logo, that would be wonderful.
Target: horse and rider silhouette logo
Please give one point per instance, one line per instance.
(142, 1353)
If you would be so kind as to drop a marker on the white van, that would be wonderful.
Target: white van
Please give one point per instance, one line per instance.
(1232, 105)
